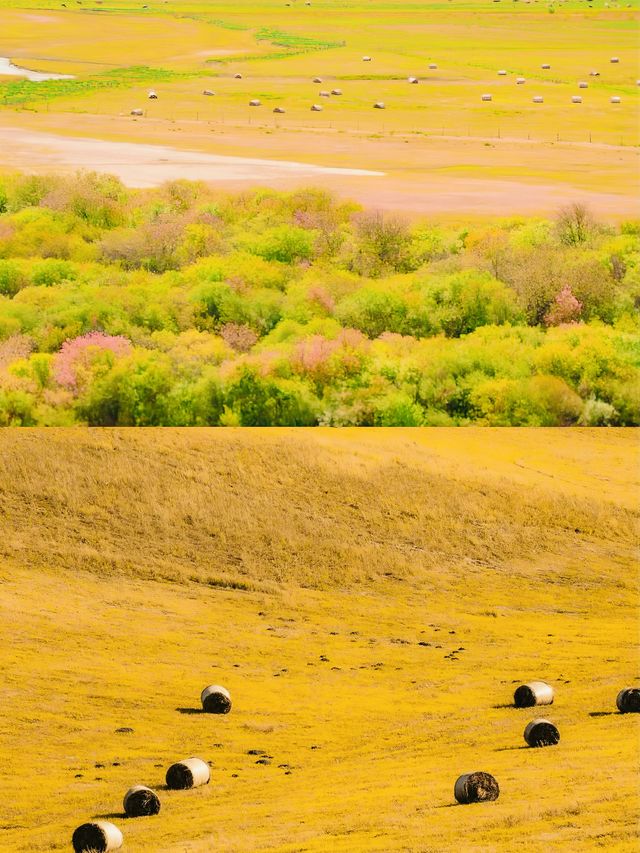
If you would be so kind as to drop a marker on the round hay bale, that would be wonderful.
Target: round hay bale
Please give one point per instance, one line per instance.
(487, 97)
(576, 99)
(100, 836)
(534, 692)
(614, 60)
(379, 105)
(476, 788)
(237, 76)
(538, 99)
(502, 73)
(520, 80)
(279, 110)
(316, 108)
(153, 96)
(216, 699)
(190, 773)
(583, 85)
(412, 80)
(255, 103)
(317, 79)
(615, 99)
(541, 733)
(628, 700)
(336, 91)
(137, 112)
(325, 94)
(433, 67)
(366, 59)
(594, 74)
(208, 92)
(141, 801)
(545, 66)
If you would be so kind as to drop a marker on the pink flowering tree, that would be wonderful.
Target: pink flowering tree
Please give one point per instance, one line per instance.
(565, 309)
(77, 354)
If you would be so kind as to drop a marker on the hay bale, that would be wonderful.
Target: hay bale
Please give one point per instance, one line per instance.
(628, 700)
(190, 773)
(487, 97)
(324, 94)
(614, 60)
(379, 105)
(576, 99)
(208, 92)
(538, 99)
(237, 76)
(502, 73)
(476, 788)
(316, 108)
(366, 59)
(100, 836)
(317, 79)
(433, 67)
(594, 74)
(615, 99)
(520, 80)
(545, 66)
(279, 110)
(412, 80)
(216, 699)
(583, 85)
(534, 692)
(141, 801)
(137, 112)
(541, 733)
(255, 103)
(152, 96)
(336, 91)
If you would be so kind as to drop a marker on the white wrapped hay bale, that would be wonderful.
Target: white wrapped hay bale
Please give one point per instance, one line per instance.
(100, 836)
(190, 773)
(583, 85)
(208, 92)
(137, 112)
(476, 788)
(153, 96)
(628, 700)
(433, 66)
(538, 99)
(487, 97)
(316, 108)
(254, 102)
(615, 60)
(615, 99)
(140, 801)
(520, 80)
(502, 73)
(279, 110)
(336, 91)
(324, 94)
(379, 105)
(541, 733)
(366, 59)
(317, 79)
(533, 693)
(576, 99)
(413, 80)
(216, 699)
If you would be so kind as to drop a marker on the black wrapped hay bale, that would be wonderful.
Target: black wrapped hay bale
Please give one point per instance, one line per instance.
(533, 693)
(97, 837)
(476, 788)
(541, 733)
(190, 773)
(628, 700)
(216, 699)
(141, 801)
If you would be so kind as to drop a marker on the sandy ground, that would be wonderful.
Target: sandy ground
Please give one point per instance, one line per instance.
(416, 175)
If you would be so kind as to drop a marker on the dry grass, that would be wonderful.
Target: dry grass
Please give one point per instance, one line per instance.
(354, 546)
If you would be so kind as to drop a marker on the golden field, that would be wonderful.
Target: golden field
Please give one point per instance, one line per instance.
(139, 566)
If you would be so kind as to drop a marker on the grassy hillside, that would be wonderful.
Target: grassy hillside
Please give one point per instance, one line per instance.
(397, 584)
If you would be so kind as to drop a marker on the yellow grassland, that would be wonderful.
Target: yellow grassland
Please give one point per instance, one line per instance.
(139, 566)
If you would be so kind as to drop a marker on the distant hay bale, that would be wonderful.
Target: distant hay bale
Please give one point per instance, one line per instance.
(190, 773)
(433, 66)
(366, 59)
(614, 60)
(412, 80)
(237, 76)
(208, 92)
(534, 692)
(324, 94)
(545, 66)
(541, 733)
(317, 79)
(628, 700)
(216, 699)
(316, 108)
(594, 74)
(520, 80)
(538, 99)
(279, 110)
(476, 788)
(583, 85)
(576, 99)
(141, 801)
(502, 73)
(100, 836)
(254, 102)
(137, 112)
(153, 96)
(336, 91)
(615, 99)
(487, 97)
(379, 105)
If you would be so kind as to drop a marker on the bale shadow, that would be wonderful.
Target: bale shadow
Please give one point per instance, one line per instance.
(603, 713)
(110, 816)
(448, 806)
(509, 748)
(509, 705)
(190, 710)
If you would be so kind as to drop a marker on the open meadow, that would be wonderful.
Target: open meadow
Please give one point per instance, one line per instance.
(438, 143)
(370, 599)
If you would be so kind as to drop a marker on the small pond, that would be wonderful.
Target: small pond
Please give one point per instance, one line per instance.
(8, 68)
